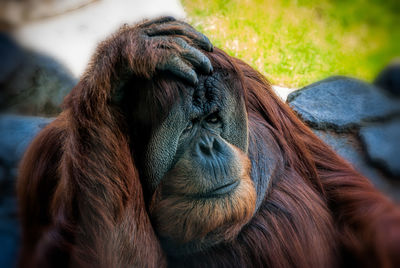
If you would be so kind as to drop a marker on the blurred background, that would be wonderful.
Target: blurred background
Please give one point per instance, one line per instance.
(297, 42)
(335, 62)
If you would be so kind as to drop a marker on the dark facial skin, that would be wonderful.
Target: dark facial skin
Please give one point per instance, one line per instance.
(198, 129)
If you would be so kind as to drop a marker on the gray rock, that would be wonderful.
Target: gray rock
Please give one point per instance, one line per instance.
(9, 232)
(8, 210)
(33, 84)
(11, 56)
(16, 132)
(348, 146)
(361, 122)
(2, 174)
(342, 103)
(9, 242)
(382, 142)
(389, 78)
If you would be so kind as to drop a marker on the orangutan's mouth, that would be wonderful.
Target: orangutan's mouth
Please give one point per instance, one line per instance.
(223, 189)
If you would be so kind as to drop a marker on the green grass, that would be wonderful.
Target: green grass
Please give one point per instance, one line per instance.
(295, 43)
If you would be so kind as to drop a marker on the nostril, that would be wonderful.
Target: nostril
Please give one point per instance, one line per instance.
(206, 145)
(206, 150)
(217, 145)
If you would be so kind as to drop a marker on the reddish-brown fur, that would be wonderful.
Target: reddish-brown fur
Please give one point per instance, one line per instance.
(82, 204)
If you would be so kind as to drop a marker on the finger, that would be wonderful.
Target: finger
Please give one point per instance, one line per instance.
(157, 21)
(194, 56)
(180, 28)
(178, 67)
(206, 43)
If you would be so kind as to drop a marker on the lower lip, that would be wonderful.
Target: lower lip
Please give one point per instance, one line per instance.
(224, 189)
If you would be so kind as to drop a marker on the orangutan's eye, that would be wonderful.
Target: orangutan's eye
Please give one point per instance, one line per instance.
(188, 127)
(213, 118)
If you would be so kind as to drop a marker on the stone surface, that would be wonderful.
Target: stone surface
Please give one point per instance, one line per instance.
(2, 174)
(31, 83)
(361, 122)
(16, 132)
(8, 244)
(341, 103)
(382, 142)
(389, 78)
(349, 147)
(11, 56)
(9, 231)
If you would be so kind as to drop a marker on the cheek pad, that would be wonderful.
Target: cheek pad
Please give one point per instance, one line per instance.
(162, 147)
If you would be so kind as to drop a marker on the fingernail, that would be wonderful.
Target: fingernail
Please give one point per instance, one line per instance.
(210, 46)
(211, 69)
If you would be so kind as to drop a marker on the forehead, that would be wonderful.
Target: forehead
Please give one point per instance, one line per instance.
(209, 93)
(166, 93)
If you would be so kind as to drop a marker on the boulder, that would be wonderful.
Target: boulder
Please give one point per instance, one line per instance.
(31, 83)
(9, 231)
(389, 78)
(342, 103)
(382, 144)
(358, 120)
(16, 132)
(349, 147)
